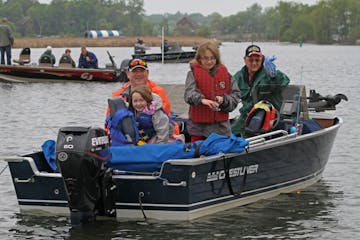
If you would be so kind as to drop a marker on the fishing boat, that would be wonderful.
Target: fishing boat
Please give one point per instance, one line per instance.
(198, 182)
(45, 72)
(174, 54)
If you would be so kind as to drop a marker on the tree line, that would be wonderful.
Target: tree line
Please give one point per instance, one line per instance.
(328, 21)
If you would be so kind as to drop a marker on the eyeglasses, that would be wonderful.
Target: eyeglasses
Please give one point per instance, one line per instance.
(208, 59)
(136, 62)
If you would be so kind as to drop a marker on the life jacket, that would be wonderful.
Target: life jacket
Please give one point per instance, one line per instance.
(121, 124)
(261, 118)
(210, 86)
(154, 88)
(145, 126)
(144, 121)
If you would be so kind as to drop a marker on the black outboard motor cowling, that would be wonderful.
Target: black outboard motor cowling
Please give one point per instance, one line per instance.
(80, 155)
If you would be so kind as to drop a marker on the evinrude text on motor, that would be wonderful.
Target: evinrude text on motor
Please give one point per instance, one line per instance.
(80, 155)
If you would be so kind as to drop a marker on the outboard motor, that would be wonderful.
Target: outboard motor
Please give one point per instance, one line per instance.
(320, 103)
(80, 155)
(112, 65)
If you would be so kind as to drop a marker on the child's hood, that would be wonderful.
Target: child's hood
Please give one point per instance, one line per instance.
(157, 100)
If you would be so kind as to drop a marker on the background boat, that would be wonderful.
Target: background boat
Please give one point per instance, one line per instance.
(174, 54)
(23, 71)
(31, 73)
(169, 57)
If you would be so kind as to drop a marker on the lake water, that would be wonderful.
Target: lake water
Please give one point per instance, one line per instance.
(330, 209)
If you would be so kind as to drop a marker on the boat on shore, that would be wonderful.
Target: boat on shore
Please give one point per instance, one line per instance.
(274, 162)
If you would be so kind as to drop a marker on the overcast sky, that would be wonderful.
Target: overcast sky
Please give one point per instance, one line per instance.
(206, 7)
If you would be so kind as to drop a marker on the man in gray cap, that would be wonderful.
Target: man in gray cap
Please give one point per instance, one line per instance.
(6, 41)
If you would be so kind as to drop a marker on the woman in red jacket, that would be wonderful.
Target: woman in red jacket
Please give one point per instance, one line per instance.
(211, 93)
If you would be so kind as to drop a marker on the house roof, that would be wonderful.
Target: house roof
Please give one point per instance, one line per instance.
(187, 21)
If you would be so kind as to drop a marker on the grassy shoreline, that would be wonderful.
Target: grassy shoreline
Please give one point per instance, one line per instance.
(101, 42)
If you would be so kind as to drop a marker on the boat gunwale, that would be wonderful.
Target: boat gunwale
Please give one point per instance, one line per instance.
(290, 138)
(15, 67)
(32, 164)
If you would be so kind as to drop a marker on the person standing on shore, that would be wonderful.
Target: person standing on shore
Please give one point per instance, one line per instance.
(6, 41)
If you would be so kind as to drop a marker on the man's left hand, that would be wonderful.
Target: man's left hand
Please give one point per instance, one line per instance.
(270, 66)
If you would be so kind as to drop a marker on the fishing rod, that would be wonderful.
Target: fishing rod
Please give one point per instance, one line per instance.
(297, 122)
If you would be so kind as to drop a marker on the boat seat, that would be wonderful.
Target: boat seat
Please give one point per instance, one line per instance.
(293, 109)
(289, 111)
(45, 65)
(290, 94)
(65, 62)
(24, 57)
(65, 65)
(45, 61)
(123, 67)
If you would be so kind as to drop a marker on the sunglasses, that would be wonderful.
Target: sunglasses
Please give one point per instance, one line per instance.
(137, 62)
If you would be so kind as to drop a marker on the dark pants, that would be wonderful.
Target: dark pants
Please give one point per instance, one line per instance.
(6, 50)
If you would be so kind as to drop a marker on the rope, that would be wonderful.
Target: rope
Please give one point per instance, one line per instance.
(245, 173)
(227, 175)
(141, 195)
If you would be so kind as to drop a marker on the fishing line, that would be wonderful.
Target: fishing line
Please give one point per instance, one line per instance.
(299, 103)
(3, 169)
(52, 130)
(298, 112)
(92, 106)
(227, 174)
